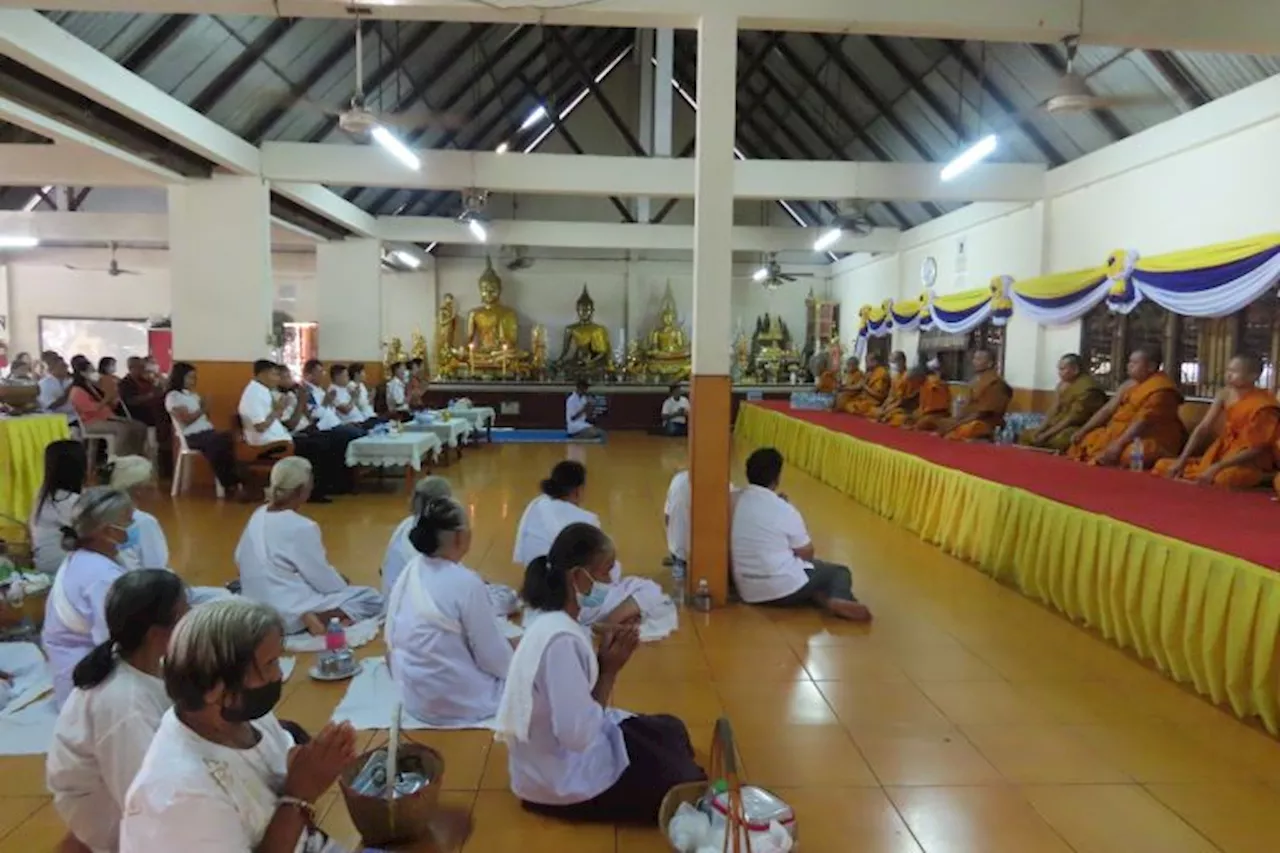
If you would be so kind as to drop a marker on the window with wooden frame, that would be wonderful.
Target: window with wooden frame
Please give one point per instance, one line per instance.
(949, 349)
(879, 347)
(988, 336)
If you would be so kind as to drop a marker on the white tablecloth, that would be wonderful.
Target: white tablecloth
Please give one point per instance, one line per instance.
(386, 451)
(480, 417)
(449, 432)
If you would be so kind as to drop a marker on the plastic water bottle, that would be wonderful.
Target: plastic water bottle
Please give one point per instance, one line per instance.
(702, 597)
(1136, 462)
(335, 636)
(677, 582)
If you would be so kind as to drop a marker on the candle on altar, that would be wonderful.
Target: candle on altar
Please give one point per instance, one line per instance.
(504, 361)
(471, 356)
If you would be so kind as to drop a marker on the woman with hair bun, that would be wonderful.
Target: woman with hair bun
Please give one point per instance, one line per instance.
(569, 754)
(74, 615)
(105, 728)
(444, 647)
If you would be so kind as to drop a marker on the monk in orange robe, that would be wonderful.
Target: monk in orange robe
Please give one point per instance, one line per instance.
(873, 392)
(933, 403)
(989, 397)
(1242, 456)
(851, 382)
(1145, 408)
(904, 389)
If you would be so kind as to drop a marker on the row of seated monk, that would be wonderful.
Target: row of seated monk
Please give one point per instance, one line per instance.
(1234, 445)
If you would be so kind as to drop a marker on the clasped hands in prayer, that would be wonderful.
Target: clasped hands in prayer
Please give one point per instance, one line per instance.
(316, 765)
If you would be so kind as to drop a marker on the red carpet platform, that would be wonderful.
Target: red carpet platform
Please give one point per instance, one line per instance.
(1242, 524)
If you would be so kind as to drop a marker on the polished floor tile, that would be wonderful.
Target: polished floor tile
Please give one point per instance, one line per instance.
(1114, 819)
(975, 819)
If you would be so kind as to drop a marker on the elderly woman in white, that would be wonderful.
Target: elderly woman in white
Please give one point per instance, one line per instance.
(568, 754)
(629, 599)
(445, 649)
(400, 551)
(283, 562)
(106, 726)
(147, 547)
(222, 774)
(74, 619)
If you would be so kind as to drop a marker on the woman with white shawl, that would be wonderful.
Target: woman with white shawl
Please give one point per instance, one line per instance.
(444, 647)
(625, 600)
(74, 615)
(222, 773)
(569, 755)
(283, 563)
(106, 727)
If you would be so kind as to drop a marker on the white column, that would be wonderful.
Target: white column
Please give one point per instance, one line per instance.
(713, 208)
(349, 300)
(220, 269)
(664, 51)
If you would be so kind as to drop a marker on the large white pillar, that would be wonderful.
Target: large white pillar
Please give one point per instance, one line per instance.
(220, 269)
(663, 93)
(349, 300)
(644, 50)
(711, 392)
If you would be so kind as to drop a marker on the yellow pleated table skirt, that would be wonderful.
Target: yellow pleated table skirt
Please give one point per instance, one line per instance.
(1204, 618)
(22, 444)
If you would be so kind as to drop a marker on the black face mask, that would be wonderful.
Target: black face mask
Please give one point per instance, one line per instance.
(255, 703)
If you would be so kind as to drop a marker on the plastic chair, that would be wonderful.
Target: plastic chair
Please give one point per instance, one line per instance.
(181, 465)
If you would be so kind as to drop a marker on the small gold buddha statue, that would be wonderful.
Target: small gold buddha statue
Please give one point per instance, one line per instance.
(417, 346)
(586, 343)
(446, 330)
(667, 347)
(539, 348)
(393, 353)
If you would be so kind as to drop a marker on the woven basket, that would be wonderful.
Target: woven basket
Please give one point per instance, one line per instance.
(724, 765)
(382, 821)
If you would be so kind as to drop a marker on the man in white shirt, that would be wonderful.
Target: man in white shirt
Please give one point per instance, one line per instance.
(772, 553)
(269, 414)
(675, 413)
(55, 389)
(321, 402)
(579, 410)
(397, 392)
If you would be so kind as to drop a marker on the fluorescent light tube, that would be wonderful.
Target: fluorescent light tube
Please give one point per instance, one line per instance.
(827, 240)
(503, 148)
(974, 154)
(478, 230)
(761, 274)
(539, 113)
(407, 259)
(14, 241)
(395, 147)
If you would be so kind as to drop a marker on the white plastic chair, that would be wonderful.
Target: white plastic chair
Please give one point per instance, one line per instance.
(91, 451)
(181, 466)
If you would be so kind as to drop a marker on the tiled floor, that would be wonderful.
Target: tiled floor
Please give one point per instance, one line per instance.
(967, 719)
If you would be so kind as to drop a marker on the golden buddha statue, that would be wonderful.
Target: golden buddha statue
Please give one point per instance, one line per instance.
(586, 343)
(667, 347)
(446, 329)
(393, 353)
(418, 347)
(493, 331)
(539, 348)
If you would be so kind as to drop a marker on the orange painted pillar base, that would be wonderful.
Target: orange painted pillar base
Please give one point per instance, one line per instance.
(711, 401)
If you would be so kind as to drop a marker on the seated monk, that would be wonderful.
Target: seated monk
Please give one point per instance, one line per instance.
(933, 403)
(1242, 456)
(1145, 408)
(904, 391)
(989, 397)
(852, 381)
(871, 395)
(1079, 398)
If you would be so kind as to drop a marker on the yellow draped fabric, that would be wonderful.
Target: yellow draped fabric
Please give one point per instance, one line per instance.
(1204, 618)
(1061, 284)
(1203, 257)
(22, 444)
(965, 300)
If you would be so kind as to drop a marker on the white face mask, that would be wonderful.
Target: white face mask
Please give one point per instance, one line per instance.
(94, 376)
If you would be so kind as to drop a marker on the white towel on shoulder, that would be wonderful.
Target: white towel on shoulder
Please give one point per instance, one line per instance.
(516, 708)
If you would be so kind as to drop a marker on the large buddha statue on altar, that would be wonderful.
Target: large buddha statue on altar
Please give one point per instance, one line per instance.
(586, 351)
(667, 347)
(493, 331)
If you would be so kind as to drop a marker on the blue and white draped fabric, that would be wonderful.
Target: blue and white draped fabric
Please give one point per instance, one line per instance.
(1214, 281)
(1121, 295)
(957, 313)
(1058, 299)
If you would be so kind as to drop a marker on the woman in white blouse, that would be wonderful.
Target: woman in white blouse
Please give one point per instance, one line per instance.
(400, 551)
(74, 619)
(64, 472)
(629, 599)
(444, 647)
(191, 417)
(107, 724)
(222, 774)
(283, 562)
(569, 754)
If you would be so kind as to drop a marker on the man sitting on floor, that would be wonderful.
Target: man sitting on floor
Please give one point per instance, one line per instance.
(864, 399)
(771, 552)
(1144, 409)
(904, 393)
(675, 412)
(1242, 456)
(1079, 398)
(579, 410)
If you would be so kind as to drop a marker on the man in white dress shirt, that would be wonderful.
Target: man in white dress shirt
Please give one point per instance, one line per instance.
(675, 412)
(55, 389)
(398, 392)
(269, 414)
(772, 553)
(579, 410)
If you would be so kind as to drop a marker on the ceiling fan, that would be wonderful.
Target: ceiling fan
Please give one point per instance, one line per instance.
(771, 276)
(1073, 95)
(112, 268)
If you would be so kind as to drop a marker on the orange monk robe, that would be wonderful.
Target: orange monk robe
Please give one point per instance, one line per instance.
(1155, 402)
(852, 382)
(989, 397)
(1251, 422)
(933, 405)
(875, 388)
(827, 383)
(903, 398)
